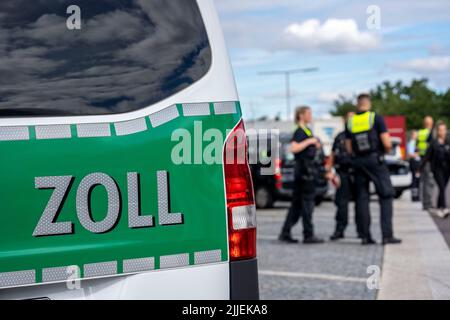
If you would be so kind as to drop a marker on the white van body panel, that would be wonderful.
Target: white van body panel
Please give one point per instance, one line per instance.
(194, 282)
(209, 282)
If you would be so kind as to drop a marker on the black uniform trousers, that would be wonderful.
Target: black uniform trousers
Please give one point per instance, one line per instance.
(343, 197)
(442, 176)
(414, 166)
(303, 203)
(372, 168)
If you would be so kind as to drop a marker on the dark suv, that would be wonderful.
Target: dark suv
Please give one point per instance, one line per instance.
(279, 186)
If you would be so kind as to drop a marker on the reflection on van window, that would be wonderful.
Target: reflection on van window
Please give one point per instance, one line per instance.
(127, 55)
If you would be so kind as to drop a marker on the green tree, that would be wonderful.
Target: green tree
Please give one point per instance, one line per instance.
(415, 101)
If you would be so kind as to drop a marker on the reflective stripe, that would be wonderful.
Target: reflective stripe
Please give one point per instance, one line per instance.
(56, 274)
(224, 108)
(122, 128)
(422, 143)
(174, 260)
(14, 133)
(137, 265)
(17, 278)
(210, 256)
(54, 132)
(161, 117)
(100, 269)
(362, 122)
(196, 109)
(130, 127)
(92, 130)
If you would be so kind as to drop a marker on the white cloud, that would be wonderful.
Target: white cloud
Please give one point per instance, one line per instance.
(426, 66)
(260, 23)
(334, 36)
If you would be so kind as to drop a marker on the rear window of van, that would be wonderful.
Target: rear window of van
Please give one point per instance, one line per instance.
(85, 57)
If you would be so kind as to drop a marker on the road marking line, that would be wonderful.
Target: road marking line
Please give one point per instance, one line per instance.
(319, 276)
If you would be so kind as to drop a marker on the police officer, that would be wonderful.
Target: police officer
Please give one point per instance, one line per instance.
(368, 139)
(342, 162)
(304, 146)
(438, 158)
(414, 163)
(426, 177)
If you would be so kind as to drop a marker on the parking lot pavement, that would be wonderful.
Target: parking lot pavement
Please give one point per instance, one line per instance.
(416, 269)
(419, 268)
(333, 270)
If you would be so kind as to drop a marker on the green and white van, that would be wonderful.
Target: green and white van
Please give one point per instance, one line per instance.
(113, 183)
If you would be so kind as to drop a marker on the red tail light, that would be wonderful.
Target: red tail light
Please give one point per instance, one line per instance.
(277, 176)
(240, 200)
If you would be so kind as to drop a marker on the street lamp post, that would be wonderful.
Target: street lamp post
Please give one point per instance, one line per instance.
(287, 74)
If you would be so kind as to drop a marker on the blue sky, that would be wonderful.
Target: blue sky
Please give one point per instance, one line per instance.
(413, 41)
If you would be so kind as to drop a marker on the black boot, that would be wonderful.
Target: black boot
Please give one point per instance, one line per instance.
(391, 240)
(368, 241)
(313, 240)
(337, 235)
(287, 238)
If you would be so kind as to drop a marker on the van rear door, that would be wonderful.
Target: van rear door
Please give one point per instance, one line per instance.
(107, 109)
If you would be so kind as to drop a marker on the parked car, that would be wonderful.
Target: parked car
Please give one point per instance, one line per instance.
(401, 176)
(280, 185)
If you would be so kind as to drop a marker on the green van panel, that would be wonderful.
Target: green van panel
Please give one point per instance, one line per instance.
(196, 191)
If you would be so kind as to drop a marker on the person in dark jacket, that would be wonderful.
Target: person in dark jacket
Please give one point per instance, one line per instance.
(414, 163)
(341, 160)
(438, 156)
(304, 146)
(368, 140)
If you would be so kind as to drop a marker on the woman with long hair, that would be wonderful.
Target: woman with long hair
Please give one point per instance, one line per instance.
(438, 155)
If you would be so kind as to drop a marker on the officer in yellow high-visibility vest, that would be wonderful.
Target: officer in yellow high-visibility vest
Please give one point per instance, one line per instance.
(426, 177)
(368, 140)
(341, 160)
(304, 146)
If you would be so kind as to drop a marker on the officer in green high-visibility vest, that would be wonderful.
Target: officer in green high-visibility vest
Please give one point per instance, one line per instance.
(424, 138)
(368, 140)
